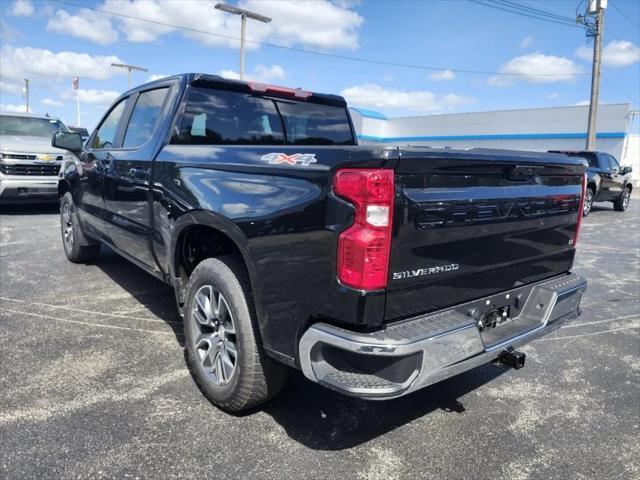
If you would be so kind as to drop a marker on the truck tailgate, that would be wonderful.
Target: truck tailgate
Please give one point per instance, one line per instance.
(468, 224)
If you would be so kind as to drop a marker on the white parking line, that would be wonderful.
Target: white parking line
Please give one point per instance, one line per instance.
(589, 334)
(78, 310)
(87, 324)
(600, 321)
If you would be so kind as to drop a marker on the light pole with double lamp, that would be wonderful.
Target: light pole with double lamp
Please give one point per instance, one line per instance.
(244, 14)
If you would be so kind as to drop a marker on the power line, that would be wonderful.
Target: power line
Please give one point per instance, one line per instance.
(317, 53)
(624, 15)
(535, 11)
(513, 8)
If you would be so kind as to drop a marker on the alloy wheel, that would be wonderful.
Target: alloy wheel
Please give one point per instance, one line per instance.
(588, 201)
(625, 198)
(214, 335)
(67, 225)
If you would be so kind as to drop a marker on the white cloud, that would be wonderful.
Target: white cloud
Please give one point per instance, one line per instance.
(260, 74)
(21, 8)
(98, 97)
(20, 62)
(12, 88)
(376, 96)
(553, 95)
(86, 24)
(526, 42)
(315, 23)
(156, 76)
(13, 108)
(443, 75)
(582, 103)
(536, 68)
(50, 102)
(618, 53)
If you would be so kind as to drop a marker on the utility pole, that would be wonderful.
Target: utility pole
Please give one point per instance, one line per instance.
(129, 68)
(25, 92)
(244, 14)
(596, 7)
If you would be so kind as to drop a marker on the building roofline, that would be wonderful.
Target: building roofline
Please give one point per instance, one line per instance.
(510, 110)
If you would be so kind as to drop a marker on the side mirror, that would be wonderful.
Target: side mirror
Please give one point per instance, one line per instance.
(67, 141)
(625, 170)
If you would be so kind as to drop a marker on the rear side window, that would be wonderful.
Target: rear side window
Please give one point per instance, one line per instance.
(313, 124)
(144, 117)
(220, 117)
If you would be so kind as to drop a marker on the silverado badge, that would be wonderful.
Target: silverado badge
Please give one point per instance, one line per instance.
(304, 159)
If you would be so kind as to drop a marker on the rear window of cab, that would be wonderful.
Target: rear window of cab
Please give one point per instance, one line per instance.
(220, 117)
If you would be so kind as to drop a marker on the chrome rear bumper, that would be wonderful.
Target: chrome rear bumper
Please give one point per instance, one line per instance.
(413, 354)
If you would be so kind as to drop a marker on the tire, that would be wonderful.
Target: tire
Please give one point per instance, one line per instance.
(76, 247)
(222, 346)
(622, 202)
(588, 201)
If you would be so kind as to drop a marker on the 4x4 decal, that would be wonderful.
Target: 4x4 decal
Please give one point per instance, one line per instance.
(304, 159)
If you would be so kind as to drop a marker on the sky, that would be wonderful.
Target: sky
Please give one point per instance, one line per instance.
(471, 57)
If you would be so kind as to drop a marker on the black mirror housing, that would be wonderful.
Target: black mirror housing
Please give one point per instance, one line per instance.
(626, 170)
(67, 141)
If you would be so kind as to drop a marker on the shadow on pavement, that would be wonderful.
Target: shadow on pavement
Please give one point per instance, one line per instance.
(321, 419)
(29, 208)
(153, 294)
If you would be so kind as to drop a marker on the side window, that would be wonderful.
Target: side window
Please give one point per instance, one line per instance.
(613, 163)
(144, 117)
(106, 134)
(219, 117)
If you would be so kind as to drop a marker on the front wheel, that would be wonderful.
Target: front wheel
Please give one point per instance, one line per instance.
(622, 202)
(222, 340)
(76, 247)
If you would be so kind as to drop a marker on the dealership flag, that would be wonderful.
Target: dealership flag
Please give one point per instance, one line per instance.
(76, 82)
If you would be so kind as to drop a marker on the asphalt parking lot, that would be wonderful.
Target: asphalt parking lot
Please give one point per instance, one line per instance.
(93, 384)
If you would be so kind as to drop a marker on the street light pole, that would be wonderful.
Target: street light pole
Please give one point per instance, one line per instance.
(25, 92)
(597, 7)
(244, 14)
(129, 68)
(243, 29)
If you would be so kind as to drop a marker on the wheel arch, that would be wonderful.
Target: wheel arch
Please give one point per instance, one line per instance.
(218, 236)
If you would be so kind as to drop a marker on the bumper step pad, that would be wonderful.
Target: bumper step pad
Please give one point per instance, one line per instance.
(415, 353)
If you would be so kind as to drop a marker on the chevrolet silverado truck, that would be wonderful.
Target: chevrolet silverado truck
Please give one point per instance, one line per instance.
(29, 166)
(375, 270)
(607, 181)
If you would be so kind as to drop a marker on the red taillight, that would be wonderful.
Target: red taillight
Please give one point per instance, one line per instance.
(363, 249)
(580, 209)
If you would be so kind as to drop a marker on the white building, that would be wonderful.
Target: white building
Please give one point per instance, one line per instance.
(537, 129)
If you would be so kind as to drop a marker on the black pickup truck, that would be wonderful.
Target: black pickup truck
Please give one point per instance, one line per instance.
(607, 181)
(375, 270)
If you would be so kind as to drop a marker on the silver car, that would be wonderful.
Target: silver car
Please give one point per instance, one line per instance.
(29, 165)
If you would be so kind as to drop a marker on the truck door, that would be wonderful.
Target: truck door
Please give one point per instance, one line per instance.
(613, 181)
(127, 184)
(95, 160)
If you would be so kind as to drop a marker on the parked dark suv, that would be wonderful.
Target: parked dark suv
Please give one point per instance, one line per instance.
(606, 180)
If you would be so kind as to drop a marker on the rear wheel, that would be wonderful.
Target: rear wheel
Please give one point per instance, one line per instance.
(76, 246)
(588, 201)
(622, 202)
(222, 341)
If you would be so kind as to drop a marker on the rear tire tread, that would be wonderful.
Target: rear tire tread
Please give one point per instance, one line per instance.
(262, 377)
